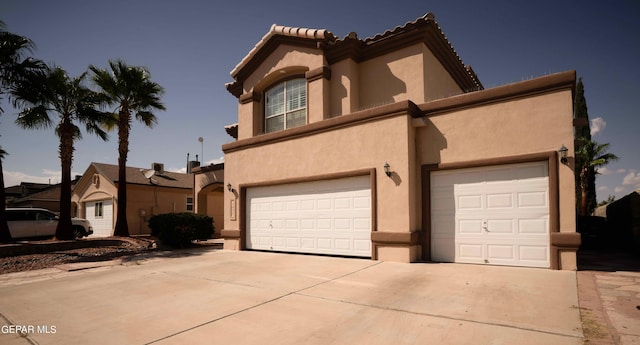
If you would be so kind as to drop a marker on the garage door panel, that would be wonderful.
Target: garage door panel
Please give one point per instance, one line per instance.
(330, 217)
(496, 252)
(470, 226)
(471, 252)
(500, 215)
(500, 200)
(533, 253)
(533, 199)
(471, 202)
(533, 226)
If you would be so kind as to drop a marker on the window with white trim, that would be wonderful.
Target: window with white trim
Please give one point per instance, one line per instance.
(286, 105)
(98, 211)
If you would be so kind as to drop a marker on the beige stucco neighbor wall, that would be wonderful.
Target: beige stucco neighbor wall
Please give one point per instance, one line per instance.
(151, 199)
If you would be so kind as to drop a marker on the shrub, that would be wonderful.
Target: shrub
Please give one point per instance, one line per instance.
(179, 229)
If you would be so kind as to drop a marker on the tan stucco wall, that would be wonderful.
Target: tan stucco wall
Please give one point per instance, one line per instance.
(533, 124)
(540, 123)
(392, 77)
(411, 73)
(353, 148)
(284, 58)
(438, 83)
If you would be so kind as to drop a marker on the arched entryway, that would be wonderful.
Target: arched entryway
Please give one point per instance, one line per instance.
(210, 201)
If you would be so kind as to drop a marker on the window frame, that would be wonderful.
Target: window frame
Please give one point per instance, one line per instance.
(190, 205)
(285, 112)
(98, 209)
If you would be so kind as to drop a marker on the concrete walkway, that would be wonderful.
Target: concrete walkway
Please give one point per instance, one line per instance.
(230, 297)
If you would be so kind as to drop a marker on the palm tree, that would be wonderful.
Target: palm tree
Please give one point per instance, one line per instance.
(13, 68)
(50, 92)
(130, 90)
(593, 155)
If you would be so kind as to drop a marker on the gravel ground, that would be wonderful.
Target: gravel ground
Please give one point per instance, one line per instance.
(126, 247)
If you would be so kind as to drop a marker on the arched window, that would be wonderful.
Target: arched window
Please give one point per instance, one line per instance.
(286, 105)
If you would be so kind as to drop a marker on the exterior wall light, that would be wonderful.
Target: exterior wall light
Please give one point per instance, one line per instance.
(229, 186)
(563, 154)
(387, 169)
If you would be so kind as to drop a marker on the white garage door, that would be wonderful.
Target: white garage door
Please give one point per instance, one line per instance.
(496, 215)
(100, 214)
(322, 217)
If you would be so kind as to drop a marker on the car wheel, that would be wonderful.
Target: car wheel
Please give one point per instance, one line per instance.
(78, 231)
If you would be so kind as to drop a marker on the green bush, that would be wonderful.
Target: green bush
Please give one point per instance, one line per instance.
(179, 229)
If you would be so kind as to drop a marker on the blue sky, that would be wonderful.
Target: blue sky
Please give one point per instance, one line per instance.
(191, 46)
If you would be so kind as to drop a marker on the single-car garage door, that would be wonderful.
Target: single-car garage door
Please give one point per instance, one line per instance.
(322, 217)
(100, 215)
(495, 215)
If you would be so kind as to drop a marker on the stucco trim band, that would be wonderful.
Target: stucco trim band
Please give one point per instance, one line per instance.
(401, 108)
(546, 84)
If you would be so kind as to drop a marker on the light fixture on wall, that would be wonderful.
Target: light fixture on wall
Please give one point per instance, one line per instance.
(563, 154)
(387, 169)
(229, 186)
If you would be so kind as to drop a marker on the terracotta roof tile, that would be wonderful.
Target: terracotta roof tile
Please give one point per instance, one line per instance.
(315, 34)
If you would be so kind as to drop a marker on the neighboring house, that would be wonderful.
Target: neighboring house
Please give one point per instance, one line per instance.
(390, 148)
(623, 220)
(96, 196)
(42, 195)
(209, 191)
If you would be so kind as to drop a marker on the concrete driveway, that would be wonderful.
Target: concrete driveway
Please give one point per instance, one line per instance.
(231, 297)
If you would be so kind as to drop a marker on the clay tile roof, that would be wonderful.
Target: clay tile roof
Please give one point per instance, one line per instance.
(278, 30)
(428, 18)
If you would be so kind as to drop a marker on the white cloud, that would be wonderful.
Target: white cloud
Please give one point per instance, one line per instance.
(618, 189)
(603, 189)
(215, 161)
(598, 125)
(13, 178)
(632, 179)
(621, 171)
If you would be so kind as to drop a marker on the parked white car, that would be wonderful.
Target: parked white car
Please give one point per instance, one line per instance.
(40, 222)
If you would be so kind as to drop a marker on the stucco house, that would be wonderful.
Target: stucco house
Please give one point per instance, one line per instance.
(95, 196)
(390, 148)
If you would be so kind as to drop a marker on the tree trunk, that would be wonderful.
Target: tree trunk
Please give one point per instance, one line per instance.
(124, 125)
(5, 235)
(584, 188)
(64, 231)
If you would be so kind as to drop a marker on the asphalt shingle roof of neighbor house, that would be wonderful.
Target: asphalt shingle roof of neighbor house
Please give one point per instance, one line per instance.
(136, 176)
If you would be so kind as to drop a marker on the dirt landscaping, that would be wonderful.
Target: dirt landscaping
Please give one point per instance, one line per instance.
(46, 254)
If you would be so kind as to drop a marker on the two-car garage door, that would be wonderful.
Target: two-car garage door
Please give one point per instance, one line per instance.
(323, 217)
(496, 215)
